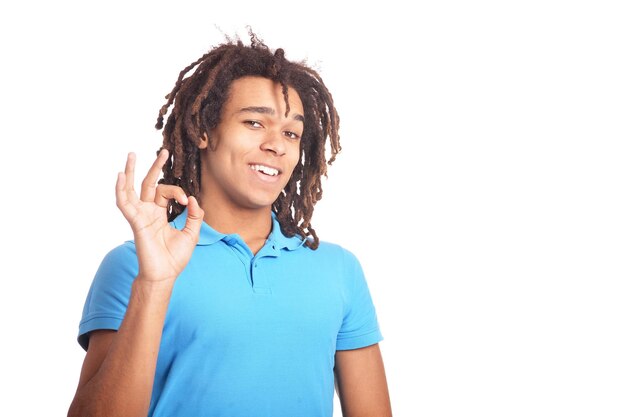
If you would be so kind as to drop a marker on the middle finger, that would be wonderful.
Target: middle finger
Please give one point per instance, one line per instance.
(148, 186)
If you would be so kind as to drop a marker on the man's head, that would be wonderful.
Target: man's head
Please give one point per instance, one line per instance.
(198, 104)
(248, 159)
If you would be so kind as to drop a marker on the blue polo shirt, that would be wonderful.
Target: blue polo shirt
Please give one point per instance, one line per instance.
(246, 335)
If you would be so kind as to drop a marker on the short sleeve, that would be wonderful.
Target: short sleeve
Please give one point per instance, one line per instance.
(109, 293)
(360, 325)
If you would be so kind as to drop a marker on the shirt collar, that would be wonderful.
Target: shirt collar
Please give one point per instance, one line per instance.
(208, 235)
(280, 241)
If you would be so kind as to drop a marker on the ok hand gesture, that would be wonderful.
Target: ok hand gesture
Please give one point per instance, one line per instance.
(162, 251)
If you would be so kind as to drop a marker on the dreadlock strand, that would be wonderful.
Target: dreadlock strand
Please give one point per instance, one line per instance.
(172, 94)
(210, 81)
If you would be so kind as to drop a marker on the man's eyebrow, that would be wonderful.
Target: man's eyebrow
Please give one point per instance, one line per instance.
(268, 110)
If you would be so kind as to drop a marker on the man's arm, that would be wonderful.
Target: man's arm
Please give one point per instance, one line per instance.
(118, 371)
(119, 368)
(361, 383)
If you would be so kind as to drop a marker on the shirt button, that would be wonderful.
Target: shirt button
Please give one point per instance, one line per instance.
(255, 265)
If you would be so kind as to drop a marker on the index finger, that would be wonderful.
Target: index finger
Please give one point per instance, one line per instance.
(148, 186)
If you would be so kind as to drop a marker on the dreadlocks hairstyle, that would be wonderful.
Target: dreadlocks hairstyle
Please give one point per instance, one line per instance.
(197, 100)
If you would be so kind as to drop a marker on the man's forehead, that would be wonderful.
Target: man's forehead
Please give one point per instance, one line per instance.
(262, 95)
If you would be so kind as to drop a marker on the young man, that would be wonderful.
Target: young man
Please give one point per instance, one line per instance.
(226, 303)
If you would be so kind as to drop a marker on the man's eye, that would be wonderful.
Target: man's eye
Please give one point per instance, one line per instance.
(253, 123)
(292, 135)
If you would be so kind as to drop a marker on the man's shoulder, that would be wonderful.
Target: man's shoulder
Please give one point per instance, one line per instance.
(123, 253)
(332, 250)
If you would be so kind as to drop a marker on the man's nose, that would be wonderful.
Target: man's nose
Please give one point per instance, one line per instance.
(274, 142)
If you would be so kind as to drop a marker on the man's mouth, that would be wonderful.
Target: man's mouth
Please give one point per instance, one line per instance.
(265, 169)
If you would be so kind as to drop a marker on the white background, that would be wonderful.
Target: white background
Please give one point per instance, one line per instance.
(481, 184)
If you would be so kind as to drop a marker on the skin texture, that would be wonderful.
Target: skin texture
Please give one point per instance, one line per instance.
(119, 367)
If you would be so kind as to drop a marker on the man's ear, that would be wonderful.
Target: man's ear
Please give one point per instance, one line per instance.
(204, 141)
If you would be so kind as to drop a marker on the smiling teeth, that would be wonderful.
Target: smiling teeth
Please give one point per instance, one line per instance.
(265, 170)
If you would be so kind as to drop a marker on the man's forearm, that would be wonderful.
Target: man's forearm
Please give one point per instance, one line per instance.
(122, 386)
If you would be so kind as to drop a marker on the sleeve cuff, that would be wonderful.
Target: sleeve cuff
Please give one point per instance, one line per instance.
(356, 342)
(96, 323)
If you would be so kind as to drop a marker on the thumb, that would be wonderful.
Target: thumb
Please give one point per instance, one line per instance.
(195, 216)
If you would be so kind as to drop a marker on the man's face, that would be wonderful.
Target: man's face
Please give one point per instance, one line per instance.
(256, 146)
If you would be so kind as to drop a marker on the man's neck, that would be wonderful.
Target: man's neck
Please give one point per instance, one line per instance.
(253, 226)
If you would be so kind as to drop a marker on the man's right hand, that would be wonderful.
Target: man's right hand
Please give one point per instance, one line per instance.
(162, 251)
